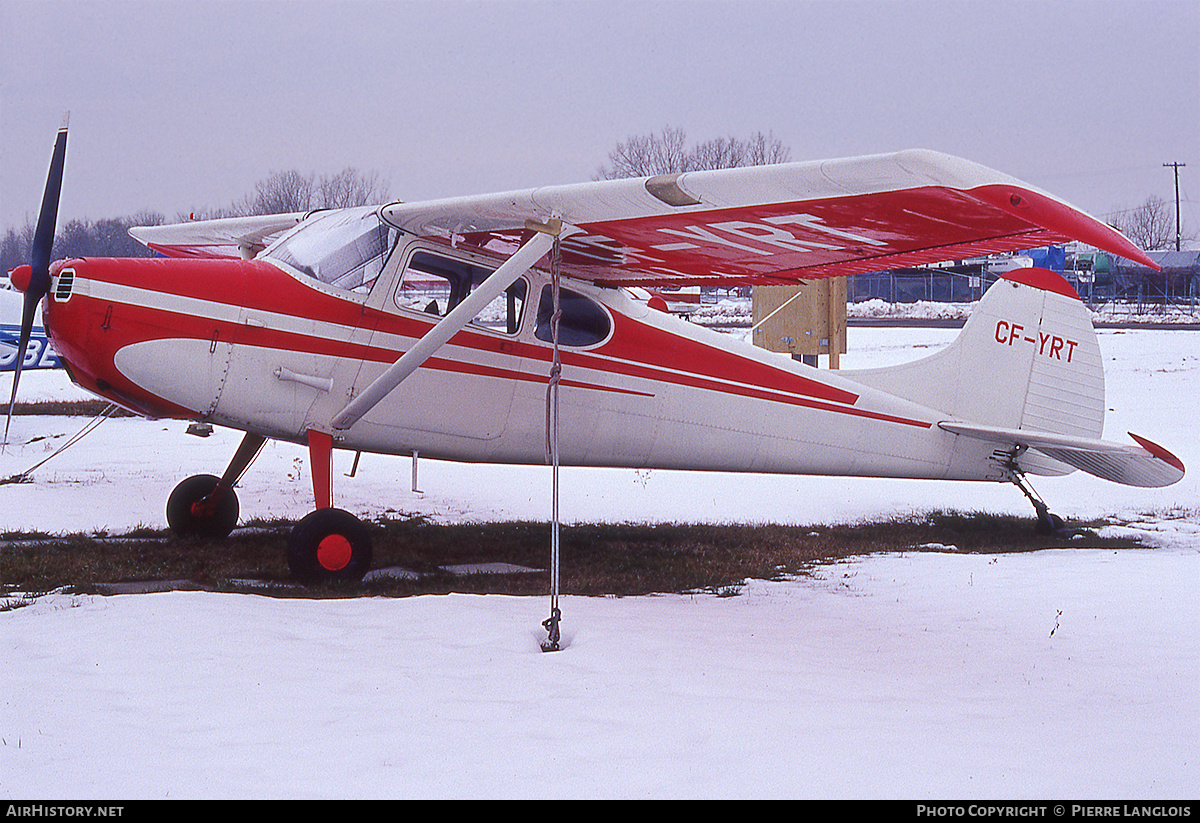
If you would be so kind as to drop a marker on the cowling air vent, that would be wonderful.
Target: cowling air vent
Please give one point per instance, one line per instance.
(63, 285)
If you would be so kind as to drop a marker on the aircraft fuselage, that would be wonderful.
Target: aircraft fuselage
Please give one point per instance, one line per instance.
(249, 345)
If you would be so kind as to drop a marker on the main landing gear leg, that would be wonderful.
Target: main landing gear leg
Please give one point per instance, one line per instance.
(207, 506)
(1048, 522)
(328, 545)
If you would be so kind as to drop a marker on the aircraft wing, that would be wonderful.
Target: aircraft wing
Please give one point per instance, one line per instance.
(1147, 464)
(231, 237)
(773, 224)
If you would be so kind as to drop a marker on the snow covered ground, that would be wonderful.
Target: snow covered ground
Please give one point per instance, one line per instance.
(1053, 674)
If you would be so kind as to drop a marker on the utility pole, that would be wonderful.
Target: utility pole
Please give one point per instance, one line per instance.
(1177, 167)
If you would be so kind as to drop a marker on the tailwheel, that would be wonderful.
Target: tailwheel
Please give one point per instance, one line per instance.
(1048, 521)
(329, 545)
(201, 507)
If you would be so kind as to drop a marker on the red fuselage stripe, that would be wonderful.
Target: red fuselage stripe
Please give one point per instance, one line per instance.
(623, 360)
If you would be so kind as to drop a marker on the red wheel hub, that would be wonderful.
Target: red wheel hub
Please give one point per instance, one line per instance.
(334, 552)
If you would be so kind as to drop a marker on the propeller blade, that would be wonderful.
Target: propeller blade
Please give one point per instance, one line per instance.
(39, 257)
(43, 236)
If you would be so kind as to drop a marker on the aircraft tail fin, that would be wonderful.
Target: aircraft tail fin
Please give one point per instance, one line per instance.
(1026, 373)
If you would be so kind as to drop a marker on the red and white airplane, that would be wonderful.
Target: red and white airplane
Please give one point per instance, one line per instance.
(433, 328)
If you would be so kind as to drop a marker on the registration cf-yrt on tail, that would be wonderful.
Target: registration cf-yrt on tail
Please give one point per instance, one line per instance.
(442, 327)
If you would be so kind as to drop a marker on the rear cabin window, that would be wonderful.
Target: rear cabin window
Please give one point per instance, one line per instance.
(583, 322)
(435, 284)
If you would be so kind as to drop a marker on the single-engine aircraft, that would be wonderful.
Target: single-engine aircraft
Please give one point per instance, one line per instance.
(441, 327)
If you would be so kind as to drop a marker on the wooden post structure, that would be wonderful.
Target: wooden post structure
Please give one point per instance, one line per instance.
(812, 324)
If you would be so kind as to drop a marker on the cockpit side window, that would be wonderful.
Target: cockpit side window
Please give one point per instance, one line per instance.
(347, 248)
(583, 322)
(435, 284)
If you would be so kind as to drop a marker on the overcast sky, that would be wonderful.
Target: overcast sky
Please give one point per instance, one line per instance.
(177, 106)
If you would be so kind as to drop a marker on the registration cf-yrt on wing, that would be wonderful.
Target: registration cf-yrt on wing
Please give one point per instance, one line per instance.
(437, 328)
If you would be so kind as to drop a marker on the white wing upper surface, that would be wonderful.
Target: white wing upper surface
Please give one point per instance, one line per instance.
(764, 224)
(229, 237)
(774, 224)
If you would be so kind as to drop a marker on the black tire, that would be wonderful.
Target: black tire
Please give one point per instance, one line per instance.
(1048, 523)
(329, 546)
(185, 521)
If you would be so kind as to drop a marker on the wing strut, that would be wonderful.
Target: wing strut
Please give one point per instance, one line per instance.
(522, 261)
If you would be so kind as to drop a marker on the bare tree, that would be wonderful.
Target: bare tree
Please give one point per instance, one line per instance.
(1150, 225)
(348, 188)
(765, 150)
(290, 191)
(719, 153)
(108, 237)
(644, 155)
(238, 209)
(280, 192)
(16, 245)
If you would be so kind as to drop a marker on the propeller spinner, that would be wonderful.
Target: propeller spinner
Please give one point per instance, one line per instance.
(34, 279)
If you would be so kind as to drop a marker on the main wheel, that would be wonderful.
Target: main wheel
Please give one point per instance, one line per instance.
(329, 545)
(190, 512)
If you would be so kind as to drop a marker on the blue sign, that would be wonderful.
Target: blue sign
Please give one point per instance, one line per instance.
(38, 354)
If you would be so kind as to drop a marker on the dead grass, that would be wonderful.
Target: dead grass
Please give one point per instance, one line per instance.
(623, 559)
(68, 408)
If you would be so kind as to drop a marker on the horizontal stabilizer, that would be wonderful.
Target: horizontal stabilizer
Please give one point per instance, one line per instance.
(1146, 464)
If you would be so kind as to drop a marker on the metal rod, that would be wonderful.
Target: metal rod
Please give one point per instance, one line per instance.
(551, 624)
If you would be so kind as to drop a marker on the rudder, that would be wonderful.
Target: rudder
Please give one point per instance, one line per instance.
(1027, 358)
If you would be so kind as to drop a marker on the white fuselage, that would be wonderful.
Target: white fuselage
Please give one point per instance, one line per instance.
(268, 351)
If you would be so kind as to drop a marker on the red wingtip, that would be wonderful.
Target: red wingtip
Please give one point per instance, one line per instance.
(1158, 451)
(1057, 216)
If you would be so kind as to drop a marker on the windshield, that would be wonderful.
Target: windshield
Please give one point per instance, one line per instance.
(345, 248)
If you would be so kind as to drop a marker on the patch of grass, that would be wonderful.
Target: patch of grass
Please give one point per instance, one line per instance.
(69, 408)
(620, 559)
(9, 604)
